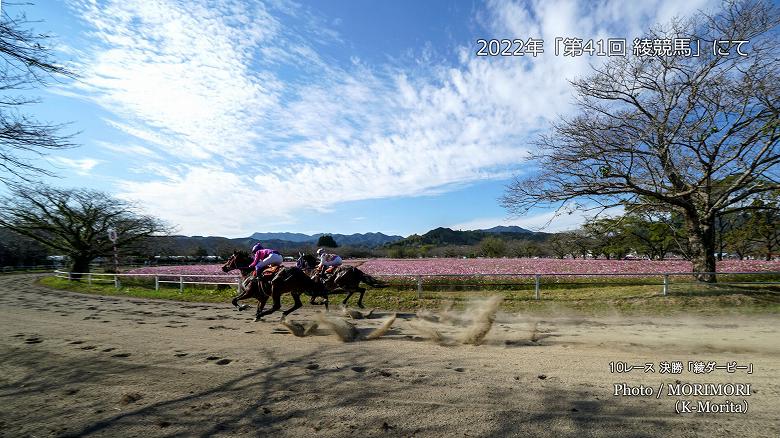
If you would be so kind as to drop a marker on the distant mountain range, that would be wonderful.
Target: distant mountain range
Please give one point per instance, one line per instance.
(446, 236)
(293, 242)
(367, 239)
(506, 229)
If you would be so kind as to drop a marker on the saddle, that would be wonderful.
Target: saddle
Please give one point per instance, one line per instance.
(270, 271)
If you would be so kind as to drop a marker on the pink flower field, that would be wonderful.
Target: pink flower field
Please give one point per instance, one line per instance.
(549, 266)
(446, 266)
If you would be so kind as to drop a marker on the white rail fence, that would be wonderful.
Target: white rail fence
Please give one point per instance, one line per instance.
(421, 280)
(180, 279)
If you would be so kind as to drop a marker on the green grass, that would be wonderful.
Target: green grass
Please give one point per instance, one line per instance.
(579, 297)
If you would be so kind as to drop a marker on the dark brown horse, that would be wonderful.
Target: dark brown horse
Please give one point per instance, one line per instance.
(284, 280)
(343, 279)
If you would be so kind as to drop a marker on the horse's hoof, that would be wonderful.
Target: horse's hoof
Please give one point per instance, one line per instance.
(258, 319)
(242, 307)
(361, 306)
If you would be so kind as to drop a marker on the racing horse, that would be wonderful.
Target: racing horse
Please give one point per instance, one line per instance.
(272, 285)
(343, 279)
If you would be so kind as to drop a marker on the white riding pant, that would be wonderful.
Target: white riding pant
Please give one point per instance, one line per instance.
(336, 261)
(273, 259)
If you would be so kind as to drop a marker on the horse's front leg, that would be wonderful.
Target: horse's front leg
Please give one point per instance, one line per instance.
(260, 304)
(243, 294)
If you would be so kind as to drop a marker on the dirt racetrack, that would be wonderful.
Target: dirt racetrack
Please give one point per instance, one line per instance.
(82, 365)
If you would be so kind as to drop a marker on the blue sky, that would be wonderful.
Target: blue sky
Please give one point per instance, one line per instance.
(229, 117)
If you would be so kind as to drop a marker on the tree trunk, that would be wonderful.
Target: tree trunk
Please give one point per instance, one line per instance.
(701, 236)
(80, 265)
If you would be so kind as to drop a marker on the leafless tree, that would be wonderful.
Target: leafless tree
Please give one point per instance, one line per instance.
(76, 222)
(696, 135)
(25, 63)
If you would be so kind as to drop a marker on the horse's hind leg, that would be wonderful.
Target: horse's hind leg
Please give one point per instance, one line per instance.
(346, 298)
(296, 305)
(277, 305)
(362, 291)
(323, 302)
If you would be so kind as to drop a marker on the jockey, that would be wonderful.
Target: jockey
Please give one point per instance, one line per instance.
(264, 257)
(327, 260)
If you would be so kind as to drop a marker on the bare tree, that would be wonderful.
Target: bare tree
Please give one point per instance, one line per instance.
(76, 222)
(695, 135)
(25, 63)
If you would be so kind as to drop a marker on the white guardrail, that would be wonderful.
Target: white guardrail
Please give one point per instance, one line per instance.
(419, 279)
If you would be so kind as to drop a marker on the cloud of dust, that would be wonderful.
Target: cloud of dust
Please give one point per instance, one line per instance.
(478, 319)
(298, 329)
(383, 328)
(357, 314)
(343, 329)
(484, 316)
(430, 332)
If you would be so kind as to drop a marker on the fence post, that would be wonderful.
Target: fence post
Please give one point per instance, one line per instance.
(181, 284)
(419, 286)
(89, 279)
(666, 284)
(116, 281)
(157, 283)
(69, 276)
(537, 278)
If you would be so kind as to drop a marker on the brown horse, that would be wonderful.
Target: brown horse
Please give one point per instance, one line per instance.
(344, 279)
(284, 280)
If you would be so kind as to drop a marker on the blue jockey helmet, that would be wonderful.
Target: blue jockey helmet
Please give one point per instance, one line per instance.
(257, 247)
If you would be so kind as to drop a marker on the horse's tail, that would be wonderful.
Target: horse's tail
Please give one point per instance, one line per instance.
(371, 281)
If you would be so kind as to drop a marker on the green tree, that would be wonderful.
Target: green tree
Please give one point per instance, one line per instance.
(764, 226)
(16, 250)
(326, 240)
(493, 247)
(649, 237)
(738, 236)
(559, 244)
(200, 252)
(608, 236)
(524, 248)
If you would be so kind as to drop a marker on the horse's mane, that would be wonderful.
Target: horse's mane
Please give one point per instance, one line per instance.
(240, 253)
(310, 259)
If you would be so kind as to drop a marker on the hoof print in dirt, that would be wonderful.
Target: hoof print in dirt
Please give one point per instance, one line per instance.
(130, 397)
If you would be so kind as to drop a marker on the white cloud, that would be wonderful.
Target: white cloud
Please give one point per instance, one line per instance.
(129, 149)
(565, 219)
(179, 72)
(255, 111)
(81, 166)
